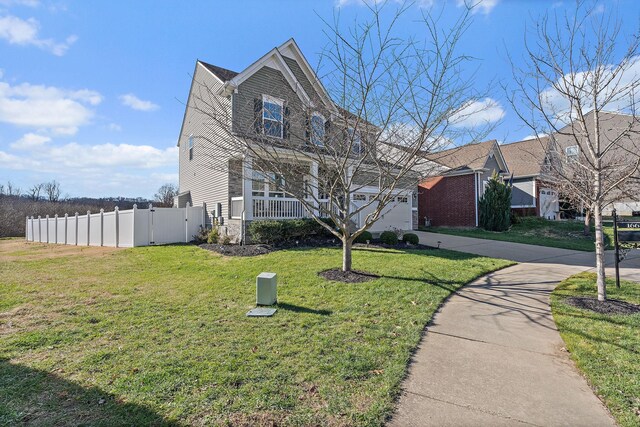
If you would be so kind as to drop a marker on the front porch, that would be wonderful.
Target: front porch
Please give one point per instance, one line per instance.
(259, 195)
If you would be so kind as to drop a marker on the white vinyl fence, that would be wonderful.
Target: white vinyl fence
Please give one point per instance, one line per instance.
(125, 229)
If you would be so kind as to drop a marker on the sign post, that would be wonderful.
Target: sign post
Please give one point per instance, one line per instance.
(629, 237)
(617, 246)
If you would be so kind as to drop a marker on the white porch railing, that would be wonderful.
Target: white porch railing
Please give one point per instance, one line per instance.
(278, 208)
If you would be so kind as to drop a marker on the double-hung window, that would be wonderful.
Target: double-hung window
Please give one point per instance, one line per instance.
(190, 147)
(272, 116)
(356, 141)
(572, 152)
(317, 129)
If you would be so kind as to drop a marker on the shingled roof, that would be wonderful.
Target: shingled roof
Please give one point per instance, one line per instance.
(222, 73)
(471, 156)
(525, 158)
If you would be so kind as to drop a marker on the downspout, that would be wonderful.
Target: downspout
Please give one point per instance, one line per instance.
(476, 180)
(242, 216)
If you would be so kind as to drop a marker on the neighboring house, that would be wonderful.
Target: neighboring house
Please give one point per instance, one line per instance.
(451, 197)
(529, 195)
(534, 195)
(259, 99)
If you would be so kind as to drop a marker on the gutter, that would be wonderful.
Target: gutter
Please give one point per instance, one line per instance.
(476, 181)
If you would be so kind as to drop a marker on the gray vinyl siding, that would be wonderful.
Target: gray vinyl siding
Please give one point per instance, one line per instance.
(204, 176)
(522, 193)
(266, 81)
(301, 77)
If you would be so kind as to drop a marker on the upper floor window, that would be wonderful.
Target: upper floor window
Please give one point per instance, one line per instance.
(190, 147)
(356, 141)
(572, 152)
(317, 129)
(272, 116)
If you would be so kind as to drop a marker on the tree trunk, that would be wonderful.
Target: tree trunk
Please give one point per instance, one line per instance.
(346, 254)
(587, 223)
(602, 286)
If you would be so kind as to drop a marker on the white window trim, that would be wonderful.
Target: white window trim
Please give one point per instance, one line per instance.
(190, 145)
(324, 123)
(352, 136)
(277, 101)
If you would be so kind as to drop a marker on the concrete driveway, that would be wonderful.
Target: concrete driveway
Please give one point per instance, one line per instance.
(493, 356)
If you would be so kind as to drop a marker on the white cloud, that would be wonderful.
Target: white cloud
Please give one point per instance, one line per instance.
(483, 6)
(25, 32)
(92, 169)
(46, 107)
(478, 113)
(130, 100)
(30, 141)
(114, 127)
(620, 94)
(75, 156)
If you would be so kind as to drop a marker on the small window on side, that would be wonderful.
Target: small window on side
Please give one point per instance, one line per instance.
(317, 129)
(572, 152)
(190, 147)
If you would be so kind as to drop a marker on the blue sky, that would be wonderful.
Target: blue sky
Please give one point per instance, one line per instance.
(91, 93)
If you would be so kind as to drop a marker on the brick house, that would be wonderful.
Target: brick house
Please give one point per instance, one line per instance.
(451, 197)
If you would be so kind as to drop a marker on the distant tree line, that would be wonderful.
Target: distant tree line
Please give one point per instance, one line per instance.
(45, 199)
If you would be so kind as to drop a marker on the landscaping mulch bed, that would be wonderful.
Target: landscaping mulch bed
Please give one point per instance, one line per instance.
(262, 249)
(238, 250)
(353, 276)
(611, 306)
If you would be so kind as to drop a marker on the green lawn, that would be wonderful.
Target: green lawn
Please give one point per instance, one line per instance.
(605, 348)
(536, 231)
(158, 335)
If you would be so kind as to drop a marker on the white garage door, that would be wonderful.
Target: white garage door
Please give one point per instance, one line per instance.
(395, 215)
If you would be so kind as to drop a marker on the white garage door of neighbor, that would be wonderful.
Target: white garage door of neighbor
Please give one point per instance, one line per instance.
(549, 205)
(395, 215)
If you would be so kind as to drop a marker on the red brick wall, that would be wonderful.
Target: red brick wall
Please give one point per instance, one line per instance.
(448, 201)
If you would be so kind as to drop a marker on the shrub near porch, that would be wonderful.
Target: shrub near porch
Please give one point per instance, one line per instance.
(160, 333)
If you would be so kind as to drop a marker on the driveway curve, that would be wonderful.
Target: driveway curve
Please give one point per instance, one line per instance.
(492, 354)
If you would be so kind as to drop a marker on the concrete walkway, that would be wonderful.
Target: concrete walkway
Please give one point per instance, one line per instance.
(493, 356)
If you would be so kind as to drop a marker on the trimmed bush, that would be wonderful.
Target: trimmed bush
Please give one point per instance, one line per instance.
(495, 206)
(389, 238)
(411, 238)
(213, 236)
(286, 230)
(362, 238)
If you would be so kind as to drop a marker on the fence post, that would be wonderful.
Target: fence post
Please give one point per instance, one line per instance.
(101, 226)
(39, 229)
(186, 222)
(47, 219)
(26, 229)
(204, 215)
(55, 240)
(33, 229)
(150, 211)
(116, 212)
(66, 228)
(88, 228)
(76, 239)
(133, 226)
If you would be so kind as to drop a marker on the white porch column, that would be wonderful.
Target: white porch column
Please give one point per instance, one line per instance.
(314, 184)
(247, 175)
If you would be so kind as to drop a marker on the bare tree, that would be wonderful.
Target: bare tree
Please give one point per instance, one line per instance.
(578, 85)
(11, 190)
(166, 194)
(387, 100)
(34, 191)
(52, 190)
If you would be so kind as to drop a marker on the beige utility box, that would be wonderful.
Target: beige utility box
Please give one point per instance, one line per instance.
(266, 289)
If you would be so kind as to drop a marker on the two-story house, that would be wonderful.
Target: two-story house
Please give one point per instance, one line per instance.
(265, 100)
